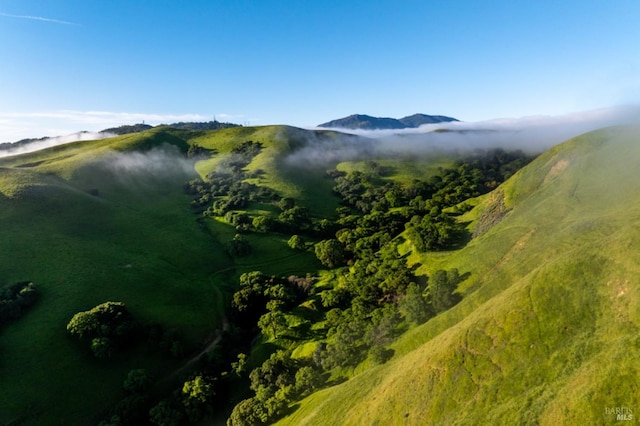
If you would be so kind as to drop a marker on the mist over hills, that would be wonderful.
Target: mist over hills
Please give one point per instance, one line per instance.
(546, 328)
(367, 122)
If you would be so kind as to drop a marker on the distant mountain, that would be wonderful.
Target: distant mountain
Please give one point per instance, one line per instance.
(205, 125)
(126, 129)
(417, 120)
(9, 145)
(367, 122)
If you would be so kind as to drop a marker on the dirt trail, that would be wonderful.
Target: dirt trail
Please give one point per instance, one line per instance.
(196, 357)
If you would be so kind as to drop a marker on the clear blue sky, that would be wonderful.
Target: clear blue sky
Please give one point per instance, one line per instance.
(71, 65)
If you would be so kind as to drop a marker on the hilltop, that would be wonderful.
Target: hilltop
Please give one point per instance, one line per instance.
(189, 125)
(366, 122)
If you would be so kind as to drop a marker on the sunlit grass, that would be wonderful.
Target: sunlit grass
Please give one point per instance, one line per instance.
(547, 330)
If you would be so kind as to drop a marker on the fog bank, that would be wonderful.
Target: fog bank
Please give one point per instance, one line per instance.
(38, 144)
(533, 135)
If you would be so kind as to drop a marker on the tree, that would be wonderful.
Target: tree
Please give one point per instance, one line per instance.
(262, 223)
(198, 389)
(196, 393)
(163, 414)
(137, 381)
(308, 379)
(109, 319)
(248, 412)
(272, 322)
(240, 366)
(239, 246)
(102, 347)
(296, 243)
(106, 325)
(330, 253)
(380, 354)
(83, 324)
(295, 218)
(286, 203)
(413, 305)
(441, 289)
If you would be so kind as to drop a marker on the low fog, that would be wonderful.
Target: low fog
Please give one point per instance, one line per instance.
(38, 144)
(530, 134)
(162, 161)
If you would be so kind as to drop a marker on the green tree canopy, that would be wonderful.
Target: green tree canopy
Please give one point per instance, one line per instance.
(296, 242)
(109, 319)
(331, 253)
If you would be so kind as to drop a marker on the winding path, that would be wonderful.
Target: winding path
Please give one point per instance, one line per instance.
(196, 357)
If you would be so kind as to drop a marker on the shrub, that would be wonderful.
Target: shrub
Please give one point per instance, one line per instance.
(296, 243)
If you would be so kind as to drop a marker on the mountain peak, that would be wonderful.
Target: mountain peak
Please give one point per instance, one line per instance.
(367, 122)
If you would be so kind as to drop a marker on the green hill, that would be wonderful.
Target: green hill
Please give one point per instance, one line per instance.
(90, 222)
(547, 331)
(109, 220)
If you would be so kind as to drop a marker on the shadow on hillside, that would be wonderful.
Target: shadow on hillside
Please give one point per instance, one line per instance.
(462, 238)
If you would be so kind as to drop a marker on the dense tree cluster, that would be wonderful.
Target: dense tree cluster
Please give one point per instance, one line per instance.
(225, 188)
(279, 381)
(15, 299)
(227, 193)
(377, 296)
(105, 326)
(421, 204)
(260, 294)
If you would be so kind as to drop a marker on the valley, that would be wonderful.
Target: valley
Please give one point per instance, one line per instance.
(307, 277)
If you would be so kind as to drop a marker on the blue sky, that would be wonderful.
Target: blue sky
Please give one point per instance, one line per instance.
(72, 65)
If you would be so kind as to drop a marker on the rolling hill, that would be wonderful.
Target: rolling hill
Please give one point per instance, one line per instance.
(108, 220)
(547, 332)
(94, 221)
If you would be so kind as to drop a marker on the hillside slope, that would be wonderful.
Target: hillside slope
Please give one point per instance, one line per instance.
(547, 332)
(91, 222)
(109, 220)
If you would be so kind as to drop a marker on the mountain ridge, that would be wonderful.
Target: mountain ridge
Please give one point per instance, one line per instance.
(367, 122)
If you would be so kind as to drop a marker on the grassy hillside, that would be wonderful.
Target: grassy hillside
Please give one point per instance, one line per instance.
(547, 331)
(90, 222)
(301, 180)
(108, 220)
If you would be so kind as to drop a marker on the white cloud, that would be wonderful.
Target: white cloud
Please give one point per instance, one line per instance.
(38, 18)
(16, 126)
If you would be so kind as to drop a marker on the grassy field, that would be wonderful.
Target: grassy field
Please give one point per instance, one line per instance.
(134, 240)
(547, 330)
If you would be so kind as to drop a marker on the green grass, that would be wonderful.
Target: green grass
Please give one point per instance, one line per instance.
(86, 232)
(136, 242)
(547, 330)
(402, 169)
